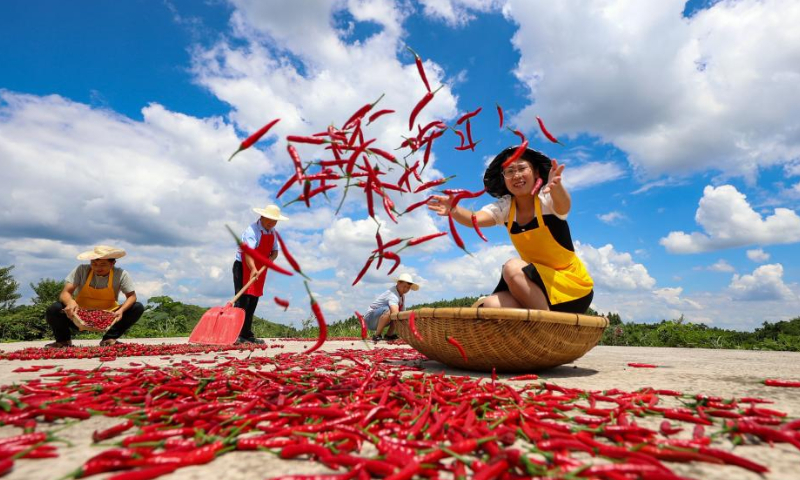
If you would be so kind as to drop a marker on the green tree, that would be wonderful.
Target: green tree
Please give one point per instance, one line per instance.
(8, 288)
(47, 291)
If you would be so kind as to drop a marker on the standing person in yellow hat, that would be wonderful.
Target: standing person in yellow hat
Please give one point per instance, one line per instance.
(390, 301)
(547, 275)
(260, 235)
(95, 286)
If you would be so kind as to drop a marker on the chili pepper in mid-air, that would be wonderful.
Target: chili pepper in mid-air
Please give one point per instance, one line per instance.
(518, 152)
(420, 69)
(394, 257)
(536, 186)
(363, 270)
(478, 228)
(311, 140)
(461, 136)
(432, 183)
(425, 238)
(500, 114)
(363, 325)
(356, 117)
(469, 115)
(249, 141)
(258, 256)
(469, 136)
(289, 257)
(323, 327)
(546, 133)
(378, 114)
(283, 303)
(454, 232)
(418, 108)
(298, 165)
(457, 344)
(413, 326)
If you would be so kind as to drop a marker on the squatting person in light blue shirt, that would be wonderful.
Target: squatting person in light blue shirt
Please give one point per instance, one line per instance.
(390, 301)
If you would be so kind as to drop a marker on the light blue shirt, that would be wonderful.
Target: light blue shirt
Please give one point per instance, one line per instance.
(252, 237)
(386, 299)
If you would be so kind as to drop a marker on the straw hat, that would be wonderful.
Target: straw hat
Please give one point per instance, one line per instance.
(271, 211)
(493, 177)
(102, 252)
(404, 277)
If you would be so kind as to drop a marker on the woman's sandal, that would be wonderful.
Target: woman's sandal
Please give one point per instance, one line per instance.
(109, 342)
(67, 344)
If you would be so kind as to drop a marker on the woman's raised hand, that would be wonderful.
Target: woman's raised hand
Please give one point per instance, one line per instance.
(440, 204)
(554, 178)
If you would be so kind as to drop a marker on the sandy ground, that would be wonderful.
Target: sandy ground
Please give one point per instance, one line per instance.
(726, 373)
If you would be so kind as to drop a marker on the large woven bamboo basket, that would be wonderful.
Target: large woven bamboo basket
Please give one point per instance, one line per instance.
(507, 339)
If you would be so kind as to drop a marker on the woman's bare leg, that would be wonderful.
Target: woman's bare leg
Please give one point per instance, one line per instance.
(501, 300)
(525, 292)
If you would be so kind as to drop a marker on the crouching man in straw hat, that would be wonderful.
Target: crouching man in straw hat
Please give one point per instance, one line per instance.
(260, 235)
(390, 301)
(95, 286)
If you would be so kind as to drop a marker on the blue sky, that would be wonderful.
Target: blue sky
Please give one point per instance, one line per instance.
(682, 141)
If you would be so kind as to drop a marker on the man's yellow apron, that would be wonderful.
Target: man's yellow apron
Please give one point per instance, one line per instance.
(92, 298)
(564, 275)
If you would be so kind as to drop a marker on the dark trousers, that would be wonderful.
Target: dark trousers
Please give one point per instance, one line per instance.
(248, 303)
(62, 326)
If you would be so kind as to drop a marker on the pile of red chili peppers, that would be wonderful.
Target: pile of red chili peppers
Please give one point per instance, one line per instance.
(366, 414)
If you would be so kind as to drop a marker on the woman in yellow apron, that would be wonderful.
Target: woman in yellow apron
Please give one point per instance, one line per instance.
(547, 275)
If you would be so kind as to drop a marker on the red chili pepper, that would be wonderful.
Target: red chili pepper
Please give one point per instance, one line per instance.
(413, 326)
(415, 206)
(256, 255)
(424, 238)
(467, 116)
(642, 365)
(311, 140)
(418, 108)
(529, 376)
(363, 325)
(289, 258)
(460, 348)
(432, 183)
(392, 256)
(286, 186)
(323, 327)
(100, 435)
(461, 136)
(378, 114)
(298, 166)
(383, 153)
(469, 136)
(470, 146)
(6, 465)
(454, 232)
(536, 186)
(546, 133)
(363, 270)
(420, 69)
(359, 114)
(500, 114)
(518, 152)
(249, 141)
(283, 303)
(774, 382)
(667, 429)
(478, 228)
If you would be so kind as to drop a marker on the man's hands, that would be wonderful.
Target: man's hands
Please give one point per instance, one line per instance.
(117, 315)
(71, 309)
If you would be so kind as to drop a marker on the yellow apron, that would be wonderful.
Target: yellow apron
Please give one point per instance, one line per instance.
(564, 276)
(92, 298)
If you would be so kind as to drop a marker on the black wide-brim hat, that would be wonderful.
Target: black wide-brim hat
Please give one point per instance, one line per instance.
(493, 177)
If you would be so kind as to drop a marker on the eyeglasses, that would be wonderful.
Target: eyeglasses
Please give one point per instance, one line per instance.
(510, 172)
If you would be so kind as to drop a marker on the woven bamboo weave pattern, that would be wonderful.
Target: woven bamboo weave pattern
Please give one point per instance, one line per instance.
(508, 339)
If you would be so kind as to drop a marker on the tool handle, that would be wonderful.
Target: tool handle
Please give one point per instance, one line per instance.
(246, 285)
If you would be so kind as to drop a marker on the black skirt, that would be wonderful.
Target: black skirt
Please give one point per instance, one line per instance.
(579, 305)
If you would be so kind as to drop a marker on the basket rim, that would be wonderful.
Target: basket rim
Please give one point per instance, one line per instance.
(507, 314)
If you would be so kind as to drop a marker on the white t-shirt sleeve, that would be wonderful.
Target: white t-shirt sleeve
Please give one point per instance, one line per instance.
(547, 206)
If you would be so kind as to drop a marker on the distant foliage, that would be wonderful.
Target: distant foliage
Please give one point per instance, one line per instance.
(165, 317)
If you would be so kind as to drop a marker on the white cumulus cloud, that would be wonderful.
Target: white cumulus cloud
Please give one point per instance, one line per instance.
(758, 255)
(729, 221)
(765, 283)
